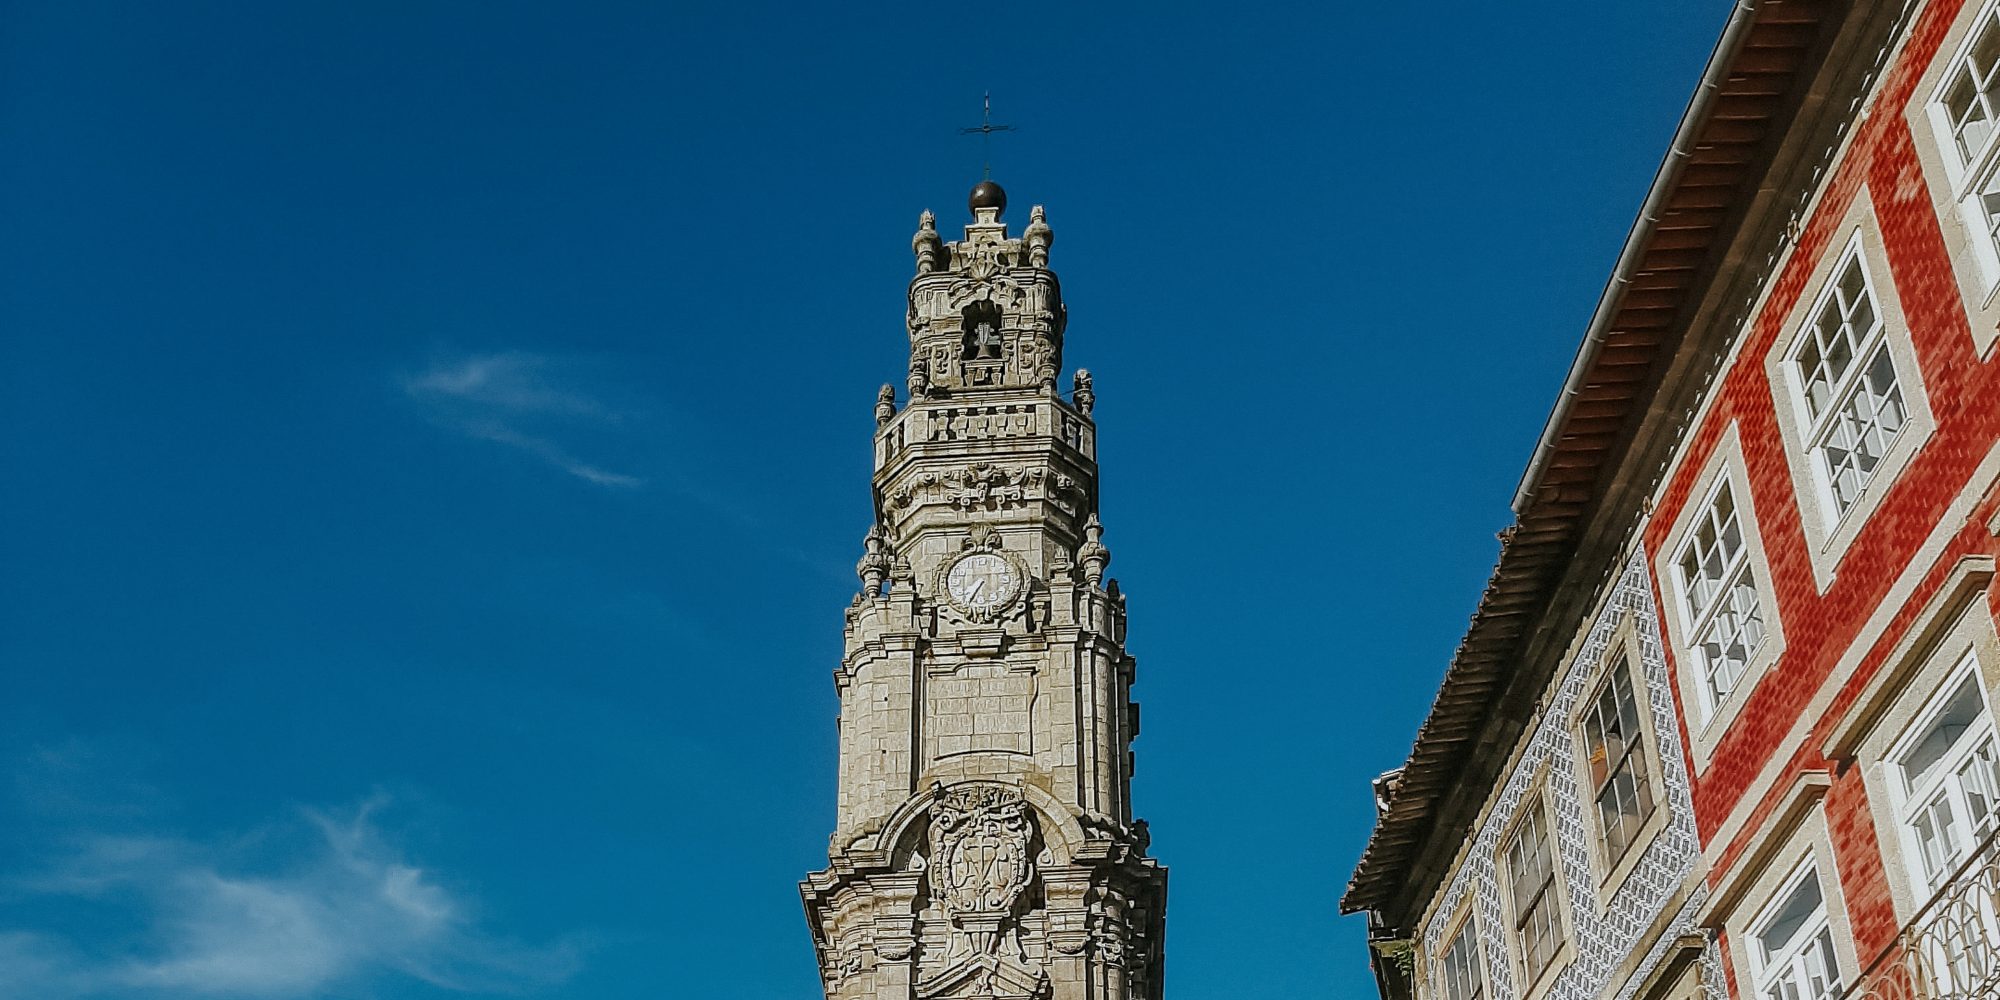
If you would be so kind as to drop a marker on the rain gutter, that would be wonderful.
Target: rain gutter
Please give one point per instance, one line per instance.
(1712, 78)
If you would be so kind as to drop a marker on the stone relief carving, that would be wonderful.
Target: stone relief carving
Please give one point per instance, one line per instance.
(980, 837)
(976, 422)
(895, 949)
(1035, 354)
(988, 486)
(1004, 292)
(844, 963)
(983, 260)
(940, 361)
(980, 869)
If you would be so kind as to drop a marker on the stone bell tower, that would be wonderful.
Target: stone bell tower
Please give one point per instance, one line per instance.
(984, 847)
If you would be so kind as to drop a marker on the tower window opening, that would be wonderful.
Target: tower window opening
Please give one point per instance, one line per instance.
(982, 332)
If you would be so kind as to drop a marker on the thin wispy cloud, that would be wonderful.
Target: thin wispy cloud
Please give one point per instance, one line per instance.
(557, 410)
(341, 904)
(548, 451)
(522, 400)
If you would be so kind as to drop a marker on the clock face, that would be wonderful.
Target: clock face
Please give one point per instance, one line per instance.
(983, 581)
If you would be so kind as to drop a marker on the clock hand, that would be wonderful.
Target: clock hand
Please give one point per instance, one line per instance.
(977, 586)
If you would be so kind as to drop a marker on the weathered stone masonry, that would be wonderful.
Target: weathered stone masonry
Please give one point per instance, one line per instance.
(984, 844)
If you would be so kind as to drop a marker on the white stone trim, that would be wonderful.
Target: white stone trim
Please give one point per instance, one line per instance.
(1975, 261)
(1965, 585)
(1830, 532)
(1464, 920)
(1611, 872)
(1809, 841)
(1708, 721)
(1778, 764)
(1968, 634)
(1541, 982)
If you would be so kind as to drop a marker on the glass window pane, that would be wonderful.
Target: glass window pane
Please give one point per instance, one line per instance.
(1968, 116)
(1798, 908)
(1531, 887)
(1862, 319)
(1839, 356)
(1853, 286)
(1985, 55)
(1961, 710)
(1459, 970)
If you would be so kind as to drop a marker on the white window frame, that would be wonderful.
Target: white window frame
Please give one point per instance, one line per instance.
(1831, 529)
(1706, 720)
(1818, 428)
(1621, 664)
(1622, 651)
(1961, 950)
(1951, 644)
(1914, 798)
(1952, 179)
(1695, 623)
(1969, 171)
(1795, 959)
(1952, 632)
(1766, 869)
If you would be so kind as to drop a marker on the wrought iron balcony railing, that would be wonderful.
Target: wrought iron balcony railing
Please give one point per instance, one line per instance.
(1951, 951)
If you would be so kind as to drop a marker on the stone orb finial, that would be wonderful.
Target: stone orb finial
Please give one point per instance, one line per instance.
(987, 194)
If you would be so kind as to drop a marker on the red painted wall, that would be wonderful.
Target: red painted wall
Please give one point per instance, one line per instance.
(1964, 393)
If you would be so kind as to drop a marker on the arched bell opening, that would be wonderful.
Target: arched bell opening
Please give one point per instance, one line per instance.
(981, 325)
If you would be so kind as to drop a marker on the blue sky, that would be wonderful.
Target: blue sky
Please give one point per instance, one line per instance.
(438, 444)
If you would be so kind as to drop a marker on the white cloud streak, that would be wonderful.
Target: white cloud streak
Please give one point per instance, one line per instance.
(511, 398)
(347, 908)
(549, 452)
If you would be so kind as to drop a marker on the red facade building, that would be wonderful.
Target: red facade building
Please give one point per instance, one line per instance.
(1787, 412)
(1854, 748)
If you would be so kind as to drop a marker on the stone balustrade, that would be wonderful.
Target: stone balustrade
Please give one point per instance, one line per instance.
(972, 421)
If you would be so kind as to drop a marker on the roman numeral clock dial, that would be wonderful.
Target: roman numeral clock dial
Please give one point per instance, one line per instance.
(982, 583)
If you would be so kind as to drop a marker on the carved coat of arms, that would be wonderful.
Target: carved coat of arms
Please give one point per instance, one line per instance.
(980, 838)
(982, 861)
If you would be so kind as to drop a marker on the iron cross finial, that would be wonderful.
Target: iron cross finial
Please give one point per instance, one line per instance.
(985, 130)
